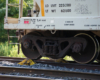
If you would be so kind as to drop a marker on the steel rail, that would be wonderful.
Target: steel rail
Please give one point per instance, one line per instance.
(92, 66)
(11, 59)
(15, 59)
(7, 77)
(55, 73)
(52, 73)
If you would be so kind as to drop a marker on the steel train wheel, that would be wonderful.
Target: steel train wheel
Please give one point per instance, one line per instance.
(30, 53)
(98, 51)
(90, 53)
(98, 58)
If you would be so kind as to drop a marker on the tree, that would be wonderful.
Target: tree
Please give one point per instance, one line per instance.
(12, 12)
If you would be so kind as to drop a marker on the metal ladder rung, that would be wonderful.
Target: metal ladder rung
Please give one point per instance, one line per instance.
(15, 43)
(13, 36)
(15, 5)
(19, 37)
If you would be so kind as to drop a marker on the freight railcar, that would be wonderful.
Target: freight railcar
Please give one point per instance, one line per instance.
(56, 28)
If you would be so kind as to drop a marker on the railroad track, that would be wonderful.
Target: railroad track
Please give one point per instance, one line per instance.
(11, 59)
(66, 71)
(40, 73)
(14, 59)
(51, 62)
(7, 77)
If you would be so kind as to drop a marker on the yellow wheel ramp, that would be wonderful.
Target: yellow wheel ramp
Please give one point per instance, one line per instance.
(27, 62)
(61, 60)
(31, 62)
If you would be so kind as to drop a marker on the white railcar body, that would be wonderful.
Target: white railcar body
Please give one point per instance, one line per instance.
(62, 15)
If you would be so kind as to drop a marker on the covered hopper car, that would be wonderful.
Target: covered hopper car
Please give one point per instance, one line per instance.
(56, 28)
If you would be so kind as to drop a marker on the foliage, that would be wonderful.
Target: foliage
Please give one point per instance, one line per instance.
(28, 1)
(6, 50)
(2, 13)
(10, 51)
(12, 12)
(2, 3)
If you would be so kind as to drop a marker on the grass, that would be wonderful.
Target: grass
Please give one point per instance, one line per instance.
(10, 51)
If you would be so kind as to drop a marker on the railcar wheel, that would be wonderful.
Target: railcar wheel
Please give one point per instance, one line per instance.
(98, 58)
(28, 48)
(90, 53)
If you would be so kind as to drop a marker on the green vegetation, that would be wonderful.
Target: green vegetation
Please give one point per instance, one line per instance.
(10, 50)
